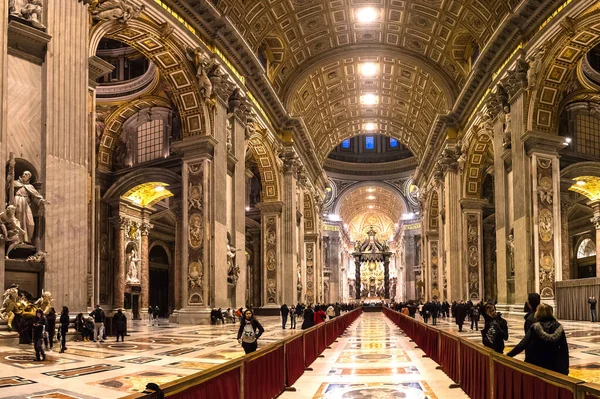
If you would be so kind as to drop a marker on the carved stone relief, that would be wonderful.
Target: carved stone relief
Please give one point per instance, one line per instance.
(473, 254)
(310, 278)
(434, 261)
(545, 221)
(196, 235)
(271, 251)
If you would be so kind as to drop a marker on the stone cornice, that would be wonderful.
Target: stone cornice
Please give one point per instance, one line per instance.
(383, 168)
(270, 207)
(469, 204)
(196, 145)
(542, 142)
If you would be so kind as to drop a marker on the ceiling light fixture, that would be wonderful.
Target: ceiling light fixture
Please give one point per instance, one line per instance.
(371, 197)
(366, 15)
(159, 189)
(368, 69)
(369, 127)
(371, 206)
(369, 99)
(370, 190)
(580, 183)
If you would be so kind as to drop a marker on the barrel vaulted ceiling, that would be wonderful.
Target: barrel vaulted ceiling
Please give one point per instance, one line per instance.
(421, 48)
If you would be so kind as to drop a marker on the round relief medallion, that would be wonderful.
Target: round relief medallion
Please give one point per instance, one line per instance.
(271, 259)
(546, 183)
(547, 262)
(473, 277)
(309, 285)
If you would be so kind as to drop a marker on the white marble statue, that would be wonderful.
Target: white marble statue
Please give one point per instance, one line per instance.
(233, 270)
(133, 272)
(32, 12)
(27, 202)
(118, 10)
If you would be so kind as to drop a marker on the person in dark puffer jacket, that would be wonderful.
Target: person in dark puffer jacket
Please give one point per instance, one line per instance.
(545, 343)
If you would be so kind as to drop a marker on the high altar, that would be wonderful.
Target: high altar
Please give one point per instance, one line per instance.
(372, 260)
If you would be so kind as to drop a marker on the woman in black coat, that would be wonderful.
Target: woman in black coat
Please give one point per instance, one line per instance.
(50, 328)
(545, 343)
(309, 318)
(247, 333)
(120, 322)
(64, 328)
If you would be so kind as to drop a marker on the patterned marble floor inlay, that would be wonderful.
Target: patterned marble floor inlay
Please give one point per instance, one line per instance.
(137, 382)
(14, 381)
(407, 390)
(79, 371)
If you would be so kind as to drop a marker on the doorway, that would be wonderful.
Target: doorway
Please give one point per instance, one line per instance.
(159, 280)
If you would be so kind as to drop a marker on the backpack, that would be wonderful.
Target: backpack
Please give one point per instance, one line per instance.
(489, 337)
(248, 335)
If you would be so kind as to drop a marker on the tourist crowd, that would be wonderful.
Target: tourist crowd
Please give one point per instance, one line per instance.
(545, 342)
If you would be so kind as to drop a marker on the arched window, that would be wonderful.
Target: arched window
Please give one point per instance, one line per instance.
(147, 135)
(586, 249)
(150, 141)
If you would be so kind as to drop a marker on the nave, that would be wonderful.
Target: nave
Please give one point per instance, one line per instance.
(374, 359)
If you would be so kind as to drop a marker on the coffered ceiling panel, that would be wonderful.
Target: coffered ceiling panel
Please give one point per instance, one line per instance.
(405, 101)
(422, 49)
(369, 200)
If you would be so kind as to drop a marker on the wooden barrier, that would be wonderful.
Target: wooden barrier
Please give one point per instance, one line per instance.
(263, 374)
(485, 374)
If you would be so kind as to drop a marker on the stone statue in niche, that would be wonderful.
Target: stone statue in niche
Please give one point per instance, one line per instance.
(510, 245)
(133, 261)
(506, 120)
(27, 203)
(32, 12)
(229, 130)
(115, 10)
(234, 101)
(233, 270)
(299, 283)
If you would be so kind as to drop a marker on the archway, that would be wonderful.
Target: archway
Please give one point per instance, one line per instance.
(160, 277)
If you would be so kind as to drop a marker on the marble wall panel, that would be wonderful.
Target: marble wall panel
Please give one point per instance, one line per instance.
(24, 110)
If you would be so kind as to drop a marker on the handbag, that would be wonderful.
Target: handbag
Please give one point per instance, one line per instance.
(45, 333)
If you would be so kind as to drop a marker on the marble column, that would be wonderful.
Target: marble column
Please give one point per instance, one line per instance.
(177, 283)
(473, 247)
(521, 205)
(3, 113)
(565, 208)
(502, 216)
(119, 263)
(310, 248)
(145, 266)
(596, 222)
(66, 154)
(237, 168)
(272, 288)
(542, 148)
(197, 237)
(289, 230)
(452, 236)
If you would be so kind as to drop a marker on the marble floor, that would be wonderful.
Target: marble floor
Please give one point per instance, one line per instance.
(374, 359)
(583, 339)
(110, 370)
